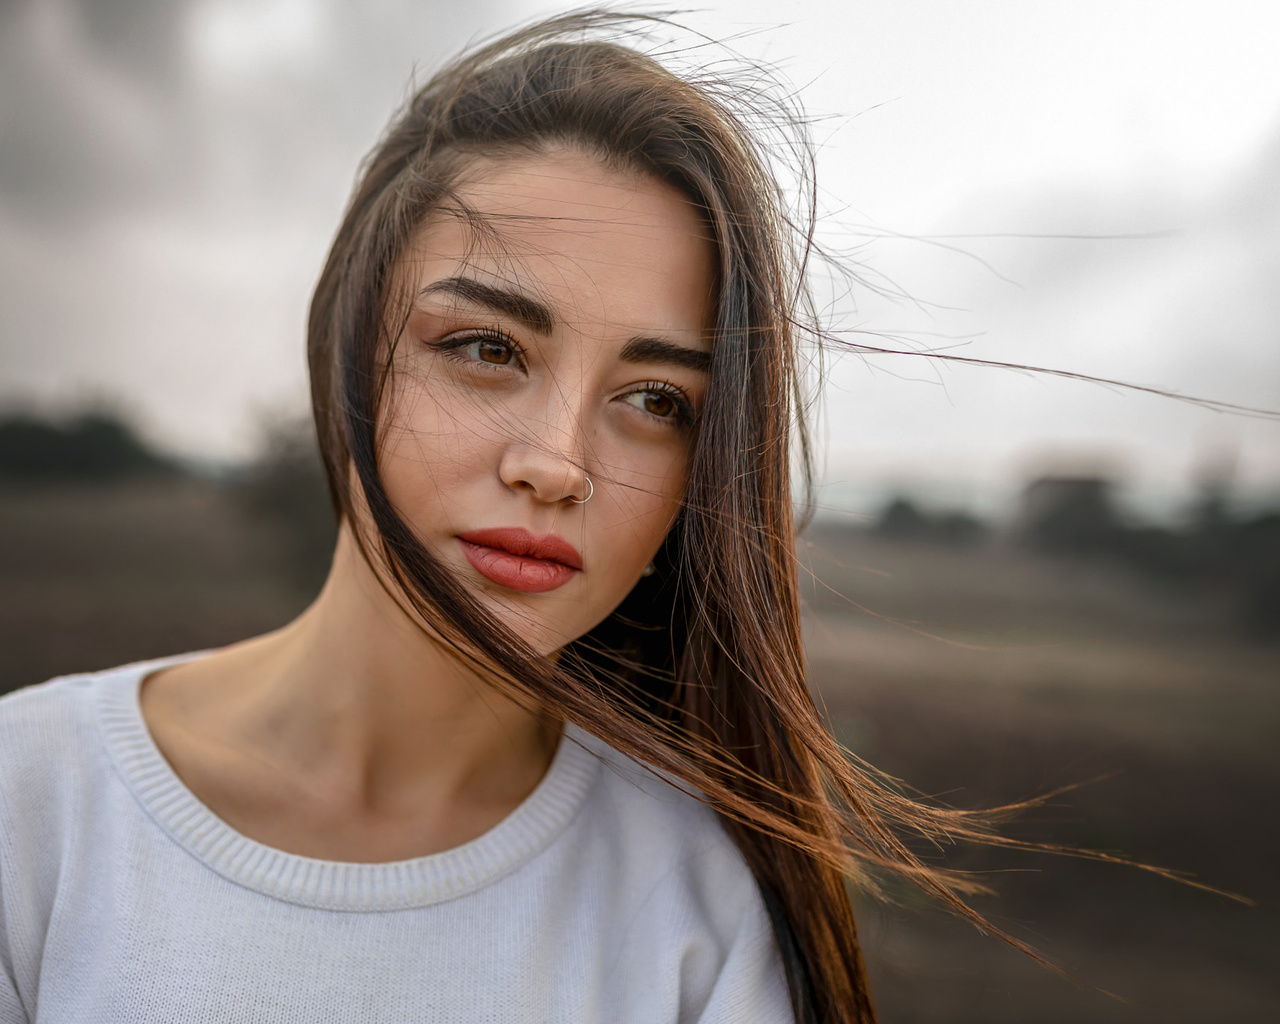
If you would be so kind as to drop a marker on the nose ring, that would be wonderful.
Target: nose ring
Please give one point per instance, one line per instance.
(590, 491)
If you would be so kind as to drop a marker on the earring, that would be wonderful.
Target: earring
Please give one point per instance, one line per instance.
(648, 570)
(591, 489)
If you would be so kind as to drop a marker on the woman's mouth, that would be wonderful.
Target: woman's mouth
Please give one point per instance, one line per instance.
(512, 557)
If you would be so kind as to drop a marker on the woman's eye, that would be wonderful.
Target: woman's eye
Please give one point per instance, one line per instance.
(490, 350)
(659, 404)
(663, 405)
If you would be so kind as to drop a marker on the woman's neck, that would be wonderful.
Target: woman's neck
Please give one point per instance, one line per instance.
(350, 734)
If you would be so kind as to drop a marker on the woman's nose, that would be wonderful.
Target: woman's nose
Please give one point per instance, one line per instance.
(546, 455)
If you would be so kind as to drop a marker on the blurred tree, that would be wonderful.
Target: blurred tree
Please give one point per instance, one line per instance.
(902, 520)
(1256, 550)
(1217, 553)
(285, 491)
(1069, 515)
(958, 528)
(94, 446)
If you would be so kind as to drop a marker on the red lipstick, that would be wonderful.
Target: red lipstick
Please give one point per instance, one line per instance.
(512, 557)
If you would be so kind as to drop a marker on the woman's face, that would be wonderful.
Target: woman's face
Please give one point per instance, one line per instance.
(560, 336)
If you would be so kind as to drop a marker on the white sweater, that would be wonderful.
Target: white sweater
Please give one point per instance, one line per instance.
(607, 896)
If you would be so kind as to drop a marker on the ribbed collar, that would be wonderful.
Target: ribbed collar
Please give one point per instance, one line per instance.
(323, 884)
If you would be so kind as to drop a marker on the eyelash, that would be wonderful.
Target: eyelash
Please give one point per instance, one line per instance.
(684, 414)
(452, 347)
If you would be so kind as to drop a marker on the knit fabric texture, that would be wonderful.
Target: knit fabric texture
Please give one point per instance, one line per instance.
(608, 895)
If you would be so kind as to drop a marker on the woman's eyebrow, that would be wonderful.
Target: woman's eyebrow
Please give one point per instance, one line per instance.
(530, 312)
(537, 316)
(655, 350)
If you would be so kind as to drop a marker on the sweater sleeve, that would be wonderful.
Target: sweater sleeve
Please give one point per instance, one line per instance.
(11, 1009)
(42, 734)
(752, 986)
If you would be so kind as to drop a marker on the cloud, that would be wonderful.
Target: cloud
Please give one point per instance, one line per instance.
(163, 218)
(1187, 303)
(86, 116)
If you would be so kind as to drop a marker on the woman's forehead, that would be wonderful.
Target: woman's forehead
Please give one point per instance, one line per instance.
(583, 182)
(583, 239)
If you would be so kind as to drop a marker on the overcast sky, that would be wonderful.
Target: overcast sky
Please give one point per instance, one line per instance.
(171, 171)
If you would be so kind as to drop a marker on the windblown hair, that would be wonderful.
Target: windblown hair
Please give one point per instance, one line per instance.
(701, 672)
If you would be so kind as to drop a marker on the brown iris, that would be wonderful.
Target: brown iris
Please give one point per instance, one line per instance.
(490, 351)
(659, 404)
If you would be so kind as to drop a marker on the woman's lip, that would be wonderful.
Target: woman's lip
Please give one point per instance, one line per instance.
(516, 540)
(514, 558)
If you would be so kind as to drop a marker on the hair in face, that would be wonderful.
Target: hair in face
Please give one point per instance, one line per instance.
(700, 673)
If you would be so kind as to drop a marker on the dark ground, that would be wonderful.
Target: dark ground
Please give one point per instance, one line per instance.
(988, 677)
(975, 674)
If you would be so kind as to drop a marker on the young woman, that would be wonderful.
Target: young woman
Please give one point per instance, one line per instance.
(542, 748)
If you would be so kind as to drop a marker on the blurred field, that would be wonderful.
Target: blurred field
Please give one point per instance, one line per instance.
(986, 675)
(98, 575)
(977, 674)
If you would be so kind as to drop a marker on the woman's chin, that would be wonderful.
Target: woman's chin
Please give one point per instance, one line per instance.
(539, 629)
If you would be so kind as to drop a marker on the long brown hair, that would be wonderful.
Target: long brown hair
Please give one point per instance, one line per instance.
(701, 672)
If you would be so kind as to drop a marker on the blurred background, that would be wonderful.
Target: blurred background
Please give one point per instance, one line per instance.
(1019, 582)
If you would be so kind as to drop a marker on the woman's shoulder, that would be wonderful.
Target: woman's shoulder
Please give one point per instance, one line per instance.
(659, 826)
(52, 767)
(50, 735)
(648, 797)
(48, 716)
(689, 900)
